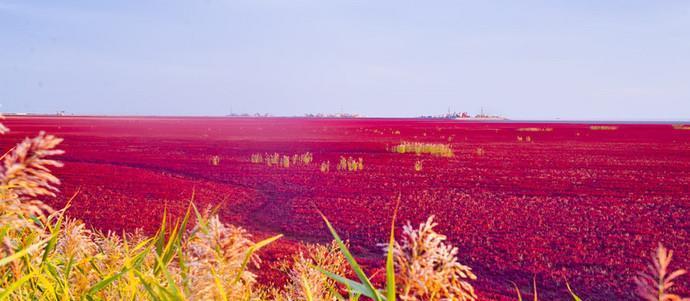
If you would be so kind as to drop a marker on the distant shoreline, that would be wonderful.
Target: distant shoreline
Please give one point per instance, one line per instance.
(461, 120)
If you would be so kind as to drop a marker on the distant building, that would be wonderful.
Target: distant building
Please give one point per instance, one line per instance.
(337, 115)
(465, 115)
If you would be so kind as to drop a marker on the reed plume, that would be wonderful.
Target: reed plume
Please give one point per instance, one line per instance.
(24, 175)
(215, 254)
(26, 170)
(428, 269)
(303, 278)
(655, 283)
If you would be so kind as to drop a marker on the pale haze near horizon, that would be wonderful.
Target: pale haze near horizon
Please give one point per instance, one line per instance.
(521, 59)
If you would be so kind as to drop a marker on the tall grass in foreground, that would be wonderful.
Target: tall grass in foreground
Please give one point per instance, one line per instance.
(655, 283)
(45, 255)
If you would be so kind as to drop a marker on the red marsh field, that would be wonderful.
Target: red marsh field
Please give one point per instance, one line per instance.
(586, 202)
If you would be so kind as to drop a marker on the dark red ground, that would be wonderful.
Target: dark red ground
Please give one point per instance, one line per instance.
(589, 205)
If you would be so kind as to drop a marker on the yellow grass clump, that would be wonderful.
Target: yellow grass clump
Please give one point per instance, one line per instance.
(325, 166)
(603, 127)
(350, 164)
(419, 148)
(524, 139)
(418, 166)
(282, 161)
(533, 129)
(214, 160)
(257, 158)
(479, 151)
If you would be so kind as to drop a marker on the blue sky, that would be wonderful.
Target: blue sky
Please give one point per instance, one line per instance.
(522, 59)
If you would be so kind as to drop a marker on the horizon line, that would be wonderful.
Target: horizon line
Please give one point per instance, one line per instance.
(487, 120)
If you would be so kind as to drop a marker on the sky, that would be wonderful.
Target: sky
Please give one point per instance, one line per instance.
(520, 59)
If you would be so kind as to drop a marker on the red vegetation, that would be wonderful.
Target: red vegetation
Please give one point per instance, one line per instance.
(556, 200)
